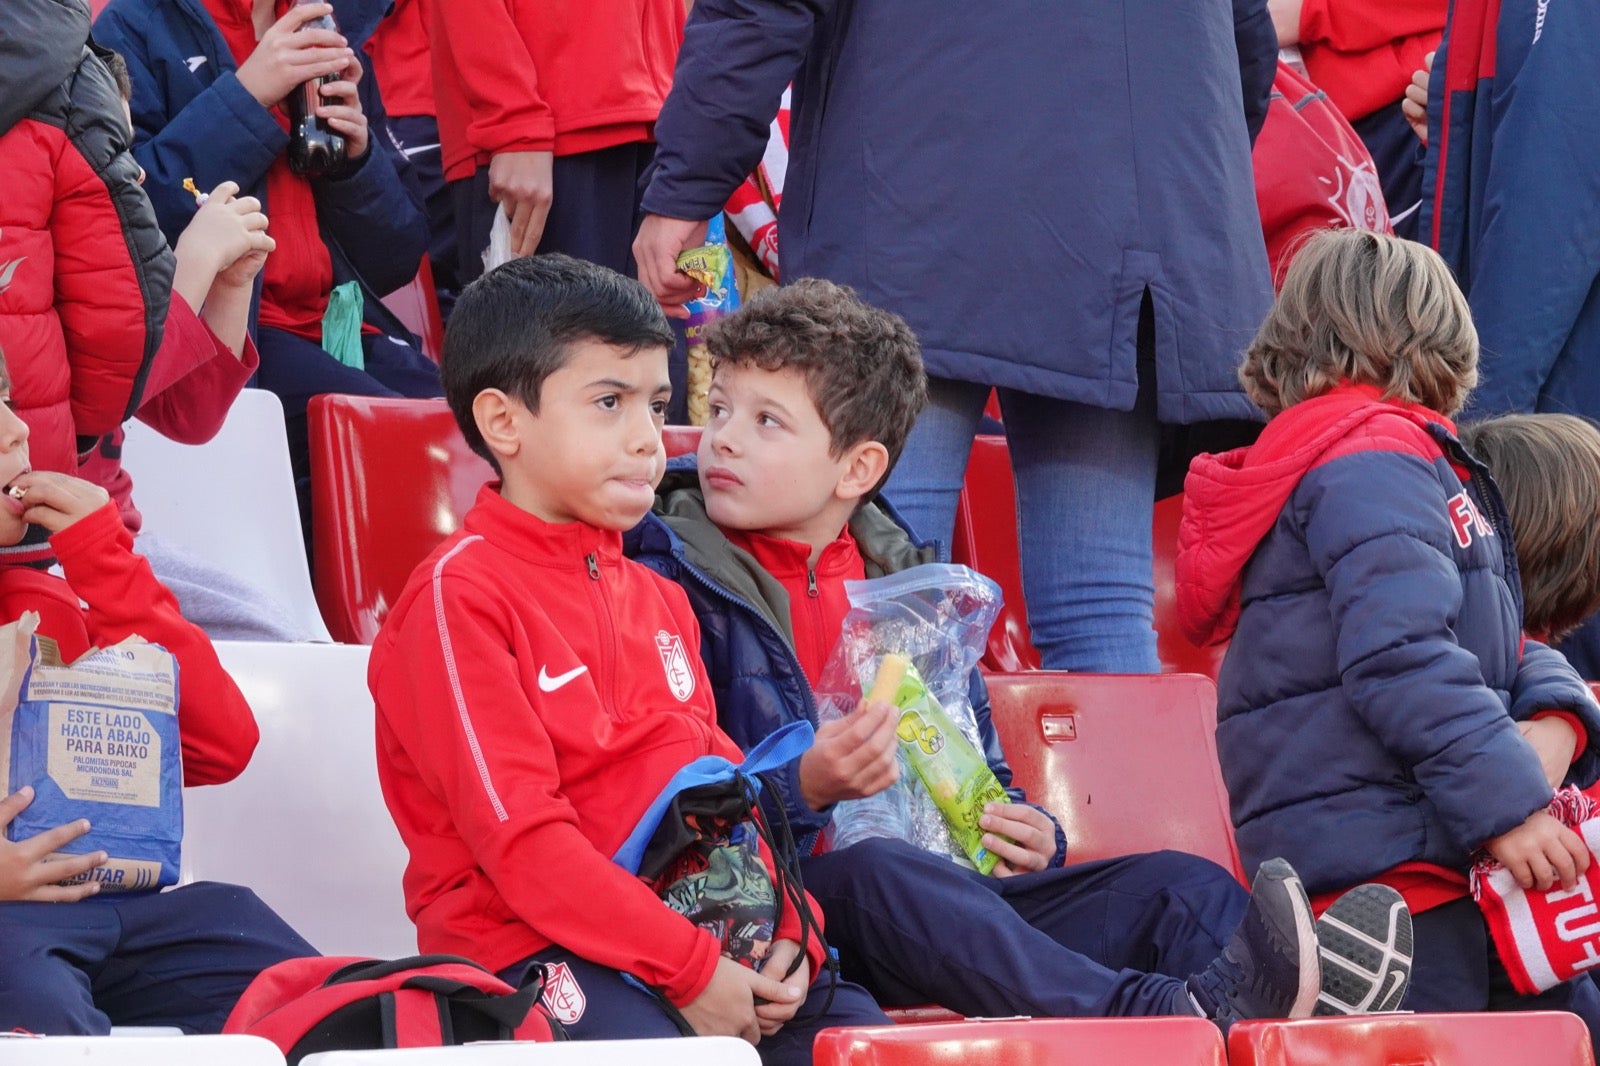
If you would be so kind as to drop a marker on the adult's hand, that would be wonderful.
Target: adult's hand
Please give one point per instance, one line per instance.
(523, 184)
(656, 249)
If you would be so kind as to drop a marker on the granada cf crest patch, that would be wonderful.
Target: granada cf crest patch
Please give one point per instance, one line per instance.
(562, 997)
(675, 661)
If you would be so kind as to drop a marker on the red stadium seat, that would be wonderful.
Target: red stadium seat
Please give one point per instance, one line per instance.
(986, 540)
(417, 306)
(1128, 764)
(390, 479)
(1027, 1042)
(1546, 1038)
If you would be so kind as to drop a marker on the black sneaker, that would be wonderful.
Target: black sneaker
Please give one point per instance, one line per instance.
(1270, 969)
(1365, 942)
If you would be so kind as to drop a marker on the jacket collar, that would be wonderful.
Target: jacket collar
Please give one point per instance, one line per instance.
(680, 526)
(1232, 500)
(559, 545)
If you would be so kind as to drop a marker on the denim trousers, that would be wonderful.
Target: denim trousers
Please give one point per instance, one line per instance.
(1085, 489)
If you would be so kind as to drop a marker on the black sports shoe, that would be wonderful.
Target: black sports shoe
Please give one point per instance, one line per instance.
(1365, 943)
(1270, 969)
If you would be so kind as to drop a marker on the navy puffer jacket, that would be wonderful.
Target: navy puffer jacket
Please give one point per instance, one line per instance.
(1368, 703)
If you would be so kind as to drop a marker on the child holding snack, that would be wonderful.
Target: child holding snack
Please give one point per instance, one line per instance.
(536, 690)
(1360, 559)
(813, 394)
(176, 958)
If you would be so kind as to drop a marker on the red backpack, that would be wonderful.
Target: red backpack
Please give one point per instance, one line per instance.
(333, 1004)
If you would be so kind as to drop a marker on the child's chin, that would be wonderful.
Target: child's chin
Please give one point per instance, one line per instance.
(11, 530)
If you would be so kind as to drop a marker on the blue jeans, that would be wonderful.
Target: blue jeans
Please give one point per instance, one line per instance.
(1085, 504)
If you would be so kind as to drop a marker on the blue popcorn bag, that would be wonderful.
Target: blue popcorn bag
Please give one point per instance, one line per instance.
(98, 739)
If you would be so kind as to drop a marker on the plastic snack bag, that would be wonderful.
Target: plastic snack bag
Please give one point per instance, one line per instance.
(937, 617)
(711, 265)
(97, 738)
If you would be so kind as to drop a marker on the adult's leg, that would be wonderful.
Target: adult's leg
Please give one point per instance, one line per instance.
(399, 367)
(594, 206)
(48, 952)
(418, 138)
(926, 483)
(1085, 506)
(184, 957)
(913, 927)
(474, 213)
(1163, 912)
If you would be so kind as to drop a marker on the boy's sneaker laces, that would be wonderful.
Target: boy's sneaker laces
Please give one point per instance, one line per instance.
(1271, 967)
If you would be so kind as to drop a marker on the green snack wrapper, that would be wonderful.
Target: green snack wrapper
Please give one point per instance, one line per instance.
(953, 771)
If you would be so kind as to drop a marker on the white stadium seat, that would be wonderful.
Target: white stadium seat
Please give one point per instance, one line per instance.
(118, 1050)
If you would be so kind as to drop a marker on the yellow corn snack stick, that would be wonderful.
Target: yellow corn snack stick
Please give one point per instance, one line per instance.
(891, 670)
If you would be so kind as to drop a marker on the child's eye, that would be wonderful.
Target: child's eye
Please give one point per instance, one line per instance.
(609, 402)
(768, 420)
(716, 410)
(658, 408)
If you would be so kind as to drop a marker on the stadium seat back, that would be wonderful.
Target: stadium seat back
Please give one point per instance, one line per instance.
(1127, 763)
(305, 825)
(985, 539)
(230, 502)
(1547, 1038)
(1027, 1042)
(692, 1051)
(390, 479)
(139, 1050)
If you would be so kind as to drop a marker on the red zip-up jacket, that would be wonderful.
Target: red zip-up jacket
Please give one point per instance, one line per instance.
(535, 691)
(566, 76)
(402, 60)
(1362, 53)
(124, 599)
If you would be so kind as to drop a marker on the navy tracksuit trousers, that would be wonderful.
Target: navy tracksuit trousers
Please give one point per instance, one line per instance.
(1456, 968)
(596, 1003)
(1093, 939)
(177, 958)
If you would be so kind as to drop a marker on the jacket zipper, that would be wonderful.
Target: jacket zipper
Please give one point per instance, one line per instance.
(608, 648)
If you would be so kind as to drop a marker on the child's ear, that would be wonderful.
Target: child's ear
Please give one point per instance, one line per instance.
(864, 465)
(495, 414)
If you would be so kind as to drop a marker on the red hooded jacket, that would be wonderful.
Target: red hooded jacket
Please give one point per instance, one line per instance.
(1364, 52)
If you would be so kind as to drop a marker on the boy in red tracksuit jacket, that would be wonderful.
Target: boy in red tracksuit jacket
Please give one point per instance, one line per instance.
(137, 958)
(549, 111)
(535, 690)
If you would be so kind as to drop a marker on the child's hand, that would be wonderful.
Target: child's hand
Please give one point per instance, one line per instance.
(1414, 106)
(341, 108)
(25, 873)
(56, 501)
(727, 1007)
(852, 757)
(226, 229)
(1555, 743)
(1032, 837)
(1540, 852)
(286, 56)
(774, 1015)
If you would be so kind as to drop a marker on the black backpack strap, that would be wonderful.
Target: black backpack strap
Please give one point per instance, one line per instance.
(376, 969)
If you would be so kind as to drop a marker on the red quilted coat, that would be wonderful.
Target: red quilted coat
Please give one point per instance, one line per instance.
(85, 273)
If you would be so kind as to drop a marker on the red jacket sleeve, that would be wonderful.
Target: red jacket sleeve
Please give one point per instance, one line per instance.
(479, 744)
(481, 46)
(194, 379)
(125, 599)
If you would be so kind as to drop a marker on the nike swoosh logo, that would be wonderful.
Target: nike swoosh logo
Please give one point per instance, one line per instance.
(550, 684)
(195, 63)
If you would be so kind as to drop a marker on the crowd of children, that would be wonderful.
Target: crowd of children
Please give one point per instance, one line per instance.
(611, 639)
